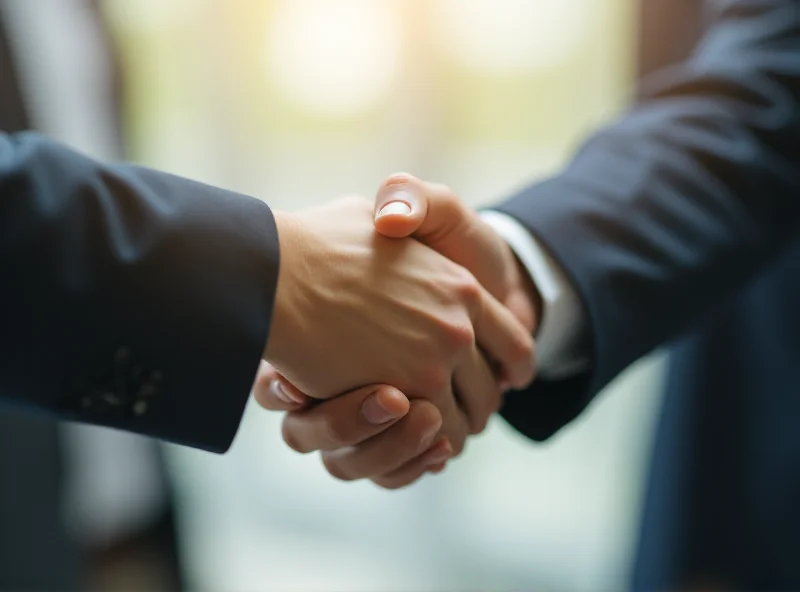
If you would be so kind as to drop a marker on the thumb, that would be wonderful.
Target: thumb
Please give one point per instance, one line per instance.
(401, 206)
(434, 215)
(431, 212)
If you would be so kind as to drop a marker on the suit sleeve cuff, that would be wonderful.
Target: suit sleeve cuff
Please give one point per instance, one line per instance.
(558, 336)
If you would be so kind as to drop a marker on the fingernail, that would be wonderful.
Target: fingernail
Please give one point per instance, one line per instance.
(439, 453)
(395, 207)
(375, 413)
(283, 394)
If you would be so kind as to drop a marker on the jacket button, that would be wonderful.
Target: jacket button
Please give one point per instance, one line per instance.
(112, 399)
(147, 390)
(139, 407)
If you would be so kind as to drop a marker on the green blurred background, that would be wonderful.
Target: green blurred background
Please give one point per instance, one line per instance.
(299, 101)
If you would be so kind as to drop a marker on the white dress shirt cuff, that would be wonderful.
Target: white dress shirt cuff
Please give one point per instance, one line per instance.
(563, 321)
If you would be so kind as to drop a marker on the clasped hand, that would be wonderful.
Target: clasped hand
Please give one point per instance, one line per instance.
(413, 340)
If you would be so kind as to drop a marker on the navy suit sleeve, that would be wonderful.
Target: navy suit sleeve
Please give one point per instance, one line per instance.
(130, 298)
(677, 205)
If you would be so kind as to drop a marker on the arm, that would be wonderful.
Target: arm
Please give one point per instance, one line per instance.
(149, 300)
(659, 216)
(130, 298)
(675, 206)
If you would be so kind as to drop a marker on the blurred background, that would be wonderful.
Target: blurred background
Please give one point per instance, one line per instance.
(300, 101)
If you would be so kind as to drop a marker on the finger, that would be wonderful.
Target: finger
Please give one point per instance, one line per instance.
(439, 219)
(435, 470)
(389, 450)
(346, 420)
(504, 339)
(478, 389)
(406, 205)
(275, 393)
(455, 423)
(432, 461)
(401, 206)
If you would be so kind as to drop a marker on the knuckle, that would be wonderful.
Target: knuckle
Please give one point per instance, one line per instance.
(497, 404)
(435, 378)
(422, 423)
(522, 348)
(391, 484)
(447, 197)
(335, 468)
(478, 424)
(453, 208)
(263, 379)
(428, 413)
(467, 287)
(481, 422)
(260, 395)
(461, 336)
(522, 356)
(337, 433)
(261, 391)
(458, 443)
(291, 440)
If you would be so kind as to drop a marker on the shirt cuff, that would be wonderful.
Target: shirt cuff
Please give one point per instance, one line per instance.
(563, 321)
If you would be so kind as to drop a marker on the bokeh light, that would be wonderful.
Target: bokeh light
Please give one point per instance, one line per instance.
(333, 57)
(503, 37)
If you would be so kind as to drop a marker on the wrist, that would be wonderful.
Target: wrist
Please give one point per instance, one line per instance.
(287, 291)
(532, 293)
(525, 301)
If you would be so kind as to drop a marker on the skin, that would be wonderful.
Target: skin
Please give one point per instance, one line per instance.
(356, 308)
(376, 432)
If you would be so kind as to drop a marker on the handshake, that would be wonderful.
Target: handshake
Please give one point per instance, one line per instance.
(397, 327)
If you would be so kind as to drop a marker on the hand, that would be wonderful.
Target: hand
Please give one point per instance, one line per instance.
(437, 217)
(372, 432)
(434, 215)
(360, 309)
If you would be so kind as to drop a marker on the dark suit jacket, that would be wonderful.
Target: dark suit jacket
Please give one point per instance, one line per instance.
(680, 223)
(131, 298)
